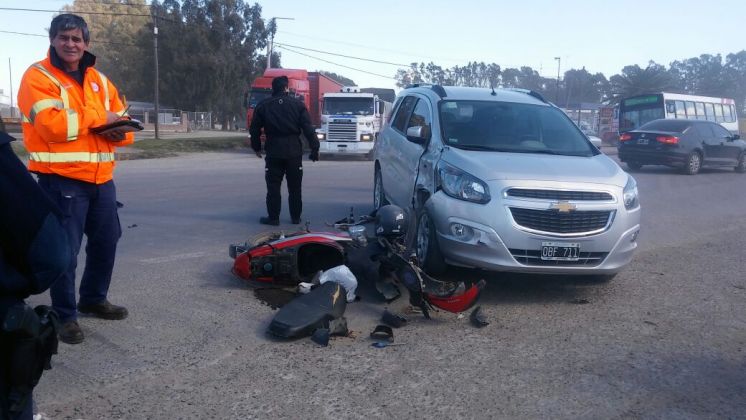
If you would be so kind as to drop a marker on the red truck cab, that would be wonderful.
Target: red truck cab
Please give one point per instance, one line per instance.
(309, 87)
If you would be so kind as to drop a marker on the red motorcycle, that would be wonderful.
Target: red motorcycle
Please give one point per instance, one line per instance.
(289, 259)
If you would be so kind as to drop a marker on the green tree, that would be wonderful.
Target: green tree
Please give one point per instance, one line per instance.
(209, 52)
(582, 86)
(116, 29)
(735, 74)
(703, 75)
(636, 81)
(474, 74)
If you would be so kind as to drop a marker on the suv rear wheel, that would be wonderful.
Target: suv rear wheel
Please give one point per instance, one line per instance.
(426, 245)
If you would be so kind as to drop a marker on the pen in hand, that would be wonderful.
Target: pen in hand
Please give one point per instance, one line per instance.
(125, 111)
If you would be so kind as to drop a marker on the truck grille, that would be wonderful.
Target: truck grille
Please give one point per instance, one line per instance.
(533, 257)
(560, 195)
(342, 131)
(553, 221)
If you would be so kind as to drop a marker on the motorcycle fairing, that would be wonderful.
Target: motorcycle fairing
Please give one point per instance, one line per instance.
(292, 259)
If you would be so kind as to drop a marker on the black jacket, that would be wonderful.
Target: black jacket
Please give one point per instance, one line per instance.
(34, 249)
(283, 119)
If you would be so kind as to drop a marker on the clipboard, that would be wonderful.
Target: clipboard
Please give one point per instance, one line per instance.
(126, 125)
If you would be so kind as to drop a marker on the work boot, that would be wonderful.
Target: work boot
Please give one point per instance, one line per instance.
(71, 333)
(104, 310)
(268, 221)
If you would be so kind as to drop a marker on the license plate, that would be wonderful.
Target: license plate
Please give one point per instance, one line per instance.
(642, 141)
(341, 147)
(560, 251)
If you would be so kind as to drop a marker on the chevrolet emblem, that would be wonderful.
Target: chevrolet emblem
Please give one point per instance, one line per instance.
(563, 206)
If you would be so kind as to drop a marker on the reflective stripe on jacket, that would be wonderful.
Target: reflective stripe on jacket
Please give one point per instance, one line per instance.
(58, 114)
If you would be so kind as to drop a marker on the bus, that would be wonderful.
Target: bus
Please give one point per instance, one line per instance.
(638, 110)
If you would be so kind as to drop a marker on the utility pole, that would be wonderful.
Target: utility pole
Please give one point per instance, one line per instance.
(155, 52)
(556, 95)
(272, 28)
(11, 88)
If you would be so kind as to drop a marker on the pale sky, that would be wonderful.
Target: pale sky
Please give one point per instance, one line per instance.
(603, 36)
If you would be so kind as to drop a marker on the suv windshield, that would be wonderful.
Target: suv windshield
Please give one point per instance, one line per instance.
(511, 127)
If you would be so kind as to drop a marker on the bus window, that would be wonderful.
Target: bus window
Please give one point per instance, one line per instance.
(718, 113)
(729, 116)
(710, 112)
(691, 113)
(670, 109)
(680, 110)
(700, 106)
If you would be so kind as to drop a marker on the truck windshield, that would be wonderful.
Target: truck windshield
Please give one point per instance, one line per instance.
(348, 106)
(258, 95)
(511, 127)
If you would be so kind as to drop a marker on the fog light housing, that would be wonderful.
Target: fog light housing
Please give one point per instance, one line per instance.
(634, 236)
(462, 232)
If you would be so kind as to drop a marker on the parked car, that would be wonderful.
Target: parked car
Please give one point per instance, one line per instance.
(503, 180)
(686, 144)
(593, 138)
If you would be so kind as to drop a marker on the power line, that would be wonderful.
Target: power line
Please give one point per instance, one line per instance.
(430, 58)
(47, 36)
(372, 48)
(337, 64)
(82, 12)
(342, 55)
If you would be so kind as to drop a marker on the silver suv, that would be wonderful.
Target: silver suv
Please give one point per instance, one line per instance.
(502, 180)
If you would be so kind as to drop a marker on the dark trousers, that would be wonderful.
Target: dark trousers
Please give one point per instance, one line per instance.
(274, 170)
(88, 209)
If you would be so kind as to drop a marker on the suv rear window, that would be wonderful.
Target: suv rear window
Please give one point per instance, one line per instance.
(666, 125)
(511, 127)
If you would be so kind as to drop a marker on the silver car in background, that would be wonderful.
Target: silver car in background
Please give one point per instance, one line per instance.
(500, 179)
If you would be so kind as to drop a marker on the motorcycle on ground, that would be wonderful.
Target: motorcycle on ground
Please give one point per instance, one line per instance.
(290, 259)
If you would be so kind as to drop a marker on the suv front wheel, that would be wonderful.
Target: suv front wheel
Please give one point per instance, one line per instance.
(379, 197)
(426, 245)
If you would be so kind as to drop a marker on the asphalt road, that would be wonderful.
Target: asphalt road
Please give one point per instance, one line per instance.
(664, 339)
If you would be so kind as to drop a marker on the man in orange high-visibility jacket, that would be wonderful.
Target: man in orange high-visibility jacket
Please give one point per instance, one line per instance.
(62, 98)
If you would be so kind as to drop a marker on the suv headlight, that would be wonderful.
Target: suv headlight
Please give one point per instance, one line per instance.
(631, 198)
(461, 185)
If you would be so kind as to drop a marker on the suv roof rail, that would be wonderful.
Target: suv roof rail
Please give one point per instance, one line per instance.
(535, 94)
(436, 88)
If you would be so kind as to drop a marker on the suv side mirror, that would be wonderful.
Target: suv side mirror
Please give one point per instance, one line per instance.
(735, 137)
(418, 134)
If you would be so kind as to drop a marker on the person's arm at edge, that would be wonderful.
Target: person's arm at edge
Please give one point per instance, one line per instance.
(255, 130)
(308, 131)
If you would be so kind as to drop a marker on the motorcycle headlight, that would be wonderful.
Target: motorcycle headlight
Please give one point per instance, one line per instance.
(461, 185)
(631, 198)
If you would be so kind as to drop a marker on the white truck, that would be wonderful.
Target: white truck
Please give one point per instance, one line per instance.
(351, 121)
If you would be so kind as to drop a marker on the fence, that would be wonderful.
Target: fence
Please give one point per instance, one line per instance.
(199, 120)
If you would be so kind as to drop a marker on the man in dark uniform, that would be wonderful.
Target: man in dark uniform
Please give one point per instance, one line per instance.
(283, 119)
(34, 253)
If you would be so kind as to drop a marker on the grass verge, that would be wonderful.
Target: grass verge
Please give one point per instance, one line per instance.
(153, 149)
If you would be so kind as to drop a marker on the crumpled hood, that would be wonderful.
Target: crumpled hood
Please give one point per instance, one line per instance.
(489, 166)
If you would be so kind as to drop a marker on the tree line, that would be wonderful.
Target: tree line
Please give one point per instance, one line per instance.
(209, 51)
(706, 75)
